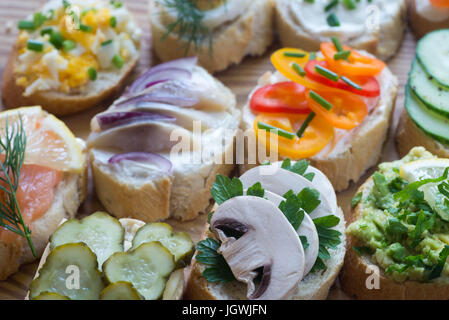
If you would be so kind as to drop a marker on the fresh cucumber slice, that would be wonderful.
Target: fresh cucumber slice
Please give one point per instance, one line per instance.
(50, 296)
(147, 268)
(71, 270)
(432, 123)
(433, 52)
(102, 233)
(120, 291)
(433, 94)
(178, 243)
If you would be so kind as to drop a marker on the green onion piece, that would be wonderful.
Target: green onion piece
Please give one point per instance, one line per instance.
(280, 132)
(332, 4)
(312, 56)
(50, 14)
(113, 22)
(106, 42)
(299, 70)
(342, 55)
(117, 60)
(66, 4)
(38, 19)
(310, 1)
(306, 123)
(351, 83)
(337, 44)
(92, 73)
(34, 45)
(326, 73)
(294, 55)
(349, 4)
(45, 31)
(332, 20)
(25, 25)
(323, 102)
(116, 4)
(68, 45)
(57, 39)
(85, 28)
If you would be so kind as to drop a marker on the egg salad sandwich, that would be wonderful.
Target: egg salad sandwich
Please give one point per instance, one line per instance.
(220, 32)
(43, 180)
(275, 233)
(398, 236)
(122, 259)
(332, 107)
(156, 151)
(376, 26)
(71, 55)
(428, 15)
(424, 120)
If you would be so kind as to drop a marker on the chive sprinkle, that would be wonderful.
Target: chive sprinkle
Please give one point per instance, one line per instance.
(45, 31)
(332, 4)
(34, 45)
(92, 73)
(319, 99)
(280, 132)
(351, 83)
(349, 4)
(85, 28)
(113, 22)
(312, 56)
(337, 44)
(117, 60)
(326, 73)
(25, 25)
(68, 45)
(299, 70)
(332, 20)
(306, 123)
(342, 55)
(106, 42)
(294, 55)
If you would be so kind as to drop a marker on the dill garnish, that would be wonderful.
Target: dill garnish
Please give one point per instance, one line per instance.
(12, 147)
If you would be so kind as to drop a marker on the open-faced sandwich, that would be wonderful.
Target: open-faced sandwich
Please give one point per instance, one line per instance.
(398, 239)
(71, 55)
(424, 122)
(428, 15)
(156, 151)
(102, 258)
(220, 32)
(43, 180)
(275, 233)
(376, 26)
(333, 108)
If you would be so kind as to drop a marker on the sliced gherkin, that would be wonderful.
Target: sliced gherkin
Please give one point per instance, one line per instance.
(50, 296)
(175, 286)
(178, 243)
(120, 290)
(102, 233)
(70, 270)
(147, 268)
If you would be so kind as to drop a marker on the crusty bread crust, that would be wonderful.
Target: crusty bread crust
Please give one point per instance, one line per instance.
(60, 103)
(69, 195)
(409, 135)
(383, 42)
(421, 25)
(250, 34)
(312, 287)
(354, 274)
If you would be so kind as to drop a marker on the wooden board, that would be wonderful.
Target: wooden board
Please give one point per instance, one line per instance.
(241, 79)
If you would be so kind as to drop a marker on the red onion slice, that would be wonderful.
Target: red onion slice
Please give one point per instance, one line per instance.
(114, 119)
(146, 157)
(151, 97)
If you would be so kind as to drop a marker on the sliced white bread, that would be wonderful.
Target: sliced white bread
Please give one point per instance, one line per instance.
(295, 30)
(248, 33)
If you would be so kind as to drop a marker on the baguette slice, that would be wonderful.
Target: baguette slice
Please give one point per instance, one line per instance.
(422, 25)
(249, 34)
(363, 145)
(313, 287)
(69, 195)
(383, 42)
(131, 226)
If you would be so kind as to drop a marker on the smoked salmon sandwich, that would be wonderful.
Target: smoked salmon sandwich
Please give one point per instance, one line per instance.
(42, 181)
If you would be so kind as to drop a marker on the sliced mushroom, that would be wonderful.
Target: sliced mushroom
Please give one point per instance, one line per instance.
(306, 229)
(321, 183)
(266, 243)
(280, 181)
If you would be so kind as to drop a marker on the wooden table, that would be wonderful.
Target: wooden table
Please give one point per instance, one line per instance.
(241, 79)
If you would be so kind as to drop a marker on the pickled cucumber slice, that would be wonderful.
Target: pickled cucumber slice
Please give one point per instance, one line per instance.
(70, 270)
(146, 267)
(178, 243)
(50, 296)
(102, 233)
(120, 291)
(175, 286)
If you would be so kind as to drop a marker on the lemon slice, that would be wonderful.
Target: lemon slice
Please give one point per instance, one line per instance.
(428, 169)
(49, 142)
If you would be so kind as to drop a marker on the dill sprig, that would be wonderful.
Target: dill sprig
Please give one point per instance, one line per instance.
(12, 147)
(189, 23)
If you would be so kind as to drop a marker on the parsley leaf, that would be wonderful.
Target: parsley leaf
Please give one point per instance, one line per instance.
(436, 270)
(300, 167)
(291, 208)
(218, 270)
(357, 198)
(256, 190)
(328, 239)
(395, 228)
(305, 243)
(224, 188)
(309, 199)
(423, 223)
